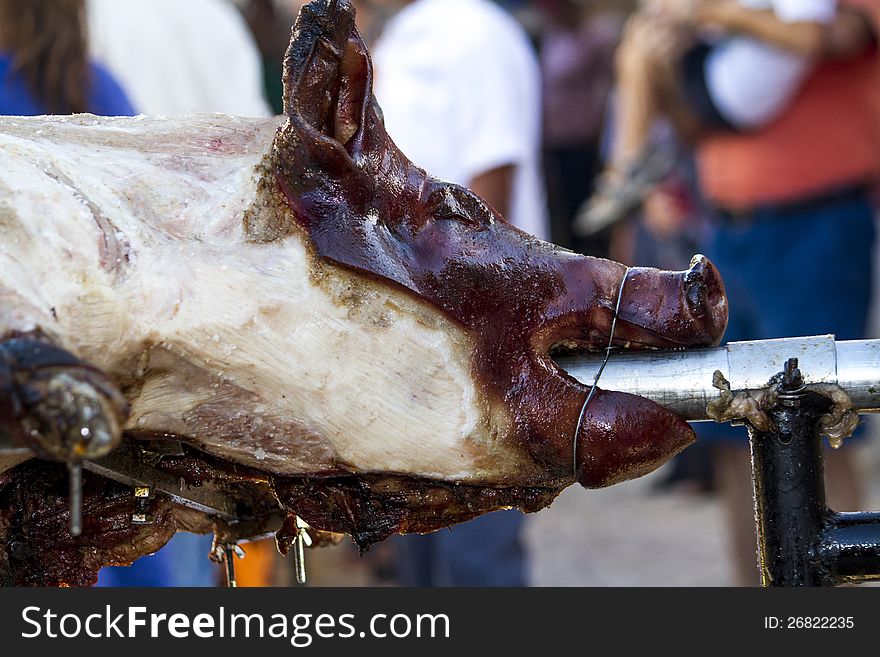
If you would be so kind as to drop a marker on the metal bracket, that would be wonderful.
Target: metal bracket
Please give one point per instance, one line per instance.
(127, 465)
(133, 466)
(801, 542)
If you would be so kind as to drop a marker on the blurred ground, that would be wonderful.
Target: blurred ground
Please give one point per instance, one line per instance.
(626, 535)
(630, 535)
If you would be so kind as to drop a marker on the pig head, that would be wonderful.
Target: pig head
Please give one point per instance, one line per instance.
(366, 208)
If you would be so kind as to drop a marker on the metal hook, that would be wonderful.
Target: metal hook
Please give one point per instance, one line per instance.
(74, 470)
(225, 553)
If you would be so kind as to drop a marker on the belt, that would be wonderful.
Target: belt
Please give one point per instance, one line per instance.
(784, 209)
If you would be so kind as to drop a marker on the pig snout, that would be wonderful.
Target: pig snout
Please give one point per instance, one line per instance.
(673, 309)
(706, 299)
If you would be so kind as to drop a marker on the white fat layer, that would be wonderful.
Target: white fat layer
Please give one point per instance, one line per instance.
(231, 344)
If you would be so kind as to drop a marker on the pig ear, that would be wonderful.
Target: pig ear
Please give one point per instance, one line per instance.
(327, 79)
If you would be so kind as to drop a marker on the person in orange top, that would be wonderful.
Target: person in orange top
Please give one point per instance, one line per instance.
(795, 233)
(828, 139)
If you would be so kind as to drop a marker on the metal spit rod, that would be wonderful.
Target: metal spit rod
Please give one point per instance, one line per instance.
(682, 380)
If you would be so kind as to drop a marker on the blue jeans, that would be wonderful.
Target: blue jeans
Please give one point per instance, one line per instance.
(793, 274)
(487, 551)
(183, 561)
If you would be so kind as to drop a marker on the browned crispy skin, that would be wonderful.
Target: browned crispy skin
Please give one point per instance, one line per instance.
(36, 547)
(370, 508)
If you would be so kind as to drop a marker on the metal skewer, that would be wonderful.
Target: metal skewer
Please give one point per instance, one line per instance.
(682, 380)
(226, 553)
(300, 542)
(230, 567)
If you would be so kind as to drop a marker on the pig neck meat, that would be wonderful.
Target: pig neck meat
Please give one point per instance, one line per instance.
(255, 351)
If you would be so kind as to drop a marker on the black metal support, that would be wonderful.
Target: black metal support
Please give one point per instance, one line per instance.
(800, 541)
(850, 547)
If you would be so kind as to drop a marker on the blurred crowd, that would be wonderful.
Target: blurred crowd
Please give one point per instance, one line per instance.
(647, 131)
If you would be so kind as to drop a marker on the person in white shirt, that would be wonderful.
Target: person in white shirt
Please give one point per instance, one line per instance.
(179, 56)
(751, 81)
(459, 87)
(706, 65)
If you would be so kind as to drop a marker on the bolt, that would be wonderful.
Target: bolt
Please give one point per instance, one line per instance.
(791, 375)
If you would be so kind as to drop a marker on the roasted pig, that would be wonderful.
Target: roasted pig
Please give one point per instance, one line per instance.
(306, 311)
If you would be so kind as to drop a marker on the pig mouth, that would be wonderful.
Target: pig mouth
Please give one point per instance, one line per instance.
(628, 336)
(617, 436)
(612, 436)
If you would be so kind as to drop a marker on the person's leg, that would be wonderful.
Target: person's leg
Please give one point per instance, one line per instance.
(649, 85)
(636, 101)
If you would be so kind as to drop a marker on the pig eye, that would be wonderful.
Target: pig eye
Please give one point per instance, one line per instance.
(453, 215)
(450, 208)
